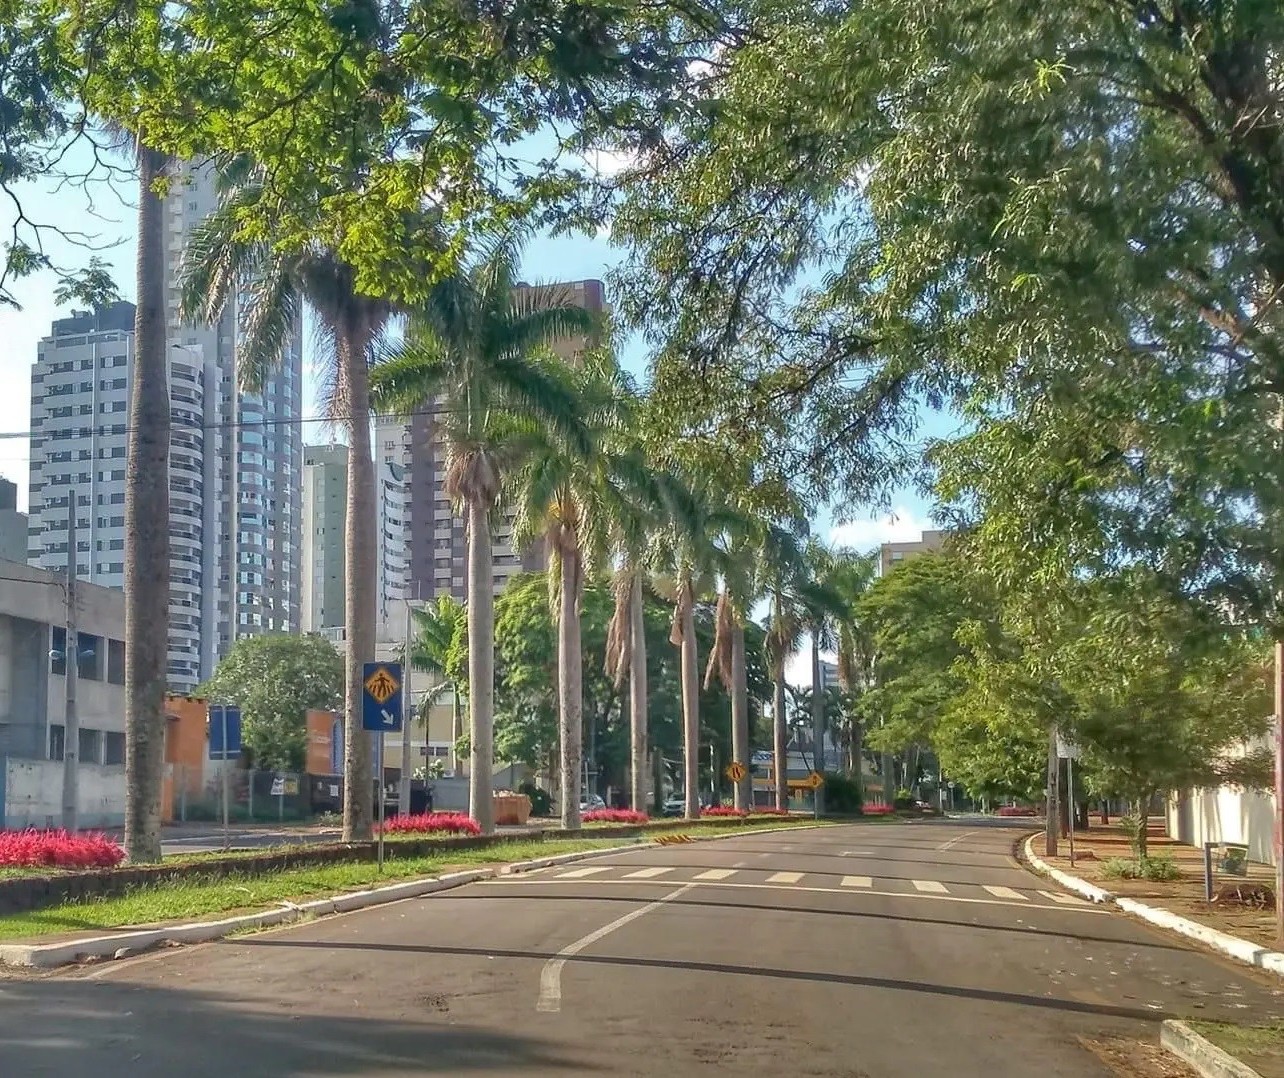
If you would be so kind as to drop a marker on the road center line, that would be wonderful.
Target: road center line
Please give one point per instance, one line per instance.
(955, 841)
(550, 977)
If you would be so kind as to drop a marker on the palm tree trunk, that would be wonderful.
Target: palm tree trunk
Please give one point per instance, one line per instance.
(690, 704)
(456, 727)
(481, 667)
(817, 719)
(570, 687)
(360, 584)
(780, 741)
(146, 532)
(740, 716)
(637, 696)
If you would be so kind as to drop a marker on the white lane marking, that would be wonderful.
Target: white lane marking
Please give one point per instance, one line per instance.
(646, 873)
(857, 881)
(737, 864)
(580, 873)
(784, 877)
(1065, 900)
(1006, 892)
(716, 874)
(857, 853)
(519, 881)
(550, 977)
(929, 886)
(955, 841)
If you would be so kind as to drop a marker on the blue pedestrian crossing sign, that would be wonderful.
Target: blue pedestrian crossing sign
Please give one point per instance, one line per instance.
(381, 697)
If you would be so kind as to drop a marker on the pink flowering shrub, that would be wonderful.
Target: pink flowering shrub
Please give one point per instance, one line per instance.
(722, 810)
(614, 816)
(450, 823)
(58, 849)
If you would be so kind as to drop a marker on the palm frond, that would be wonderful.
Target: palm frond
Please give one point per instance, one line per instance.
(404, 379)
(270, 319)
(215, 261)
(537, 389)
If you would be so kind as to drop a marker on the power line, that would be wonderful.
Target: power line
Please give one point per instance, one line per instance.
(104, 429)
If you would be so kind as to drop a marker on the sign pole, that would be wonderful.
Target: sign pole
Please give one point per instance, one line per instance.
(380, 787)
(1070, 802)
(222, 714)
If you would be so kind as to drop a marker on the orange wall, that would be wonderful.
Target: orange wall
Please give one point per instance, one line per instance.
(187, 719)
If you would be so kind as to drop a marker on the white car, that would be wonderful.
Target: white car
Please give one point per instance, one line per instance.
(590, 802)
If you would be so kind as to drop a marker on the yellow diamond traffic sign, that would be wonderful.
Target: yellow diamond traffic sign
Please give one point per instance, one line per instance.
(815, 780)
(735, 771)
(382, 685)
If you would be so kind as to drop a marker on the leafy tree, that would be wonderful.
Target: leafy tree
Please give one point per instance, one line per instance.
(275, 679)
(470, 354)
(438, 627)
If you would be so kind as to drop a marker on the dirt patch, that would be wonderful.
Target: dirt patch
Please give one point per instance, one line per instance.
(1129, 1058)
(1183, 896)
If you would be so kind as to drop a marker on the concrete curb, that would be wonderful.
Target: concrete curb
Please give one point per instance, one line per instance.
(1251, 954)
(1201, 1053)
(1070, 883)
(127, 944)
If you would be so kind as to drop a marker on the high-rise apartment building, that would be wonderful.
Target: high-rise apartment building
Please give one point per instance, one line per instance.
(235, 462)
(325, 499)
(437, 538)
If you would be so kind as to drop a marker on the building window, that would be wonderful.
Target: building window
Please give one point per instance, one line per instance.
(87, 662)
(91, 746)
(58, 649)
(56, 742)
(116, 662)
(113, 745)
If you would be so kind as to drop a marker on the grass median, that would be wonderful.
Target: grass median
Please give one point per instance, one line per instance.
(1260, 1047)
(200, 897)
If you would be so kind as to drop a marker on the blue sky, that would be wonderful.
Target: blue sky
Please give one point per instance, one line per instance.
(109, 217)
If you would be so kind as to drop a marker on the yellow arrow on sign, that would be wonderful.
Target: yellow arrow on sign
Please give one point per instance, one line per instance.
(735, 771)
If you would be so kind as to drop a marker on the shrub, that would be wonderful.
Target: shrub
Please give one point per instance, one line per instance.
(541, 800)
(1147, 868)
(769, 810)
(842, 793)
(877, 808)
(722, 810)
(1014, 810)
(615, 816)
(58, 849)
(450, 823)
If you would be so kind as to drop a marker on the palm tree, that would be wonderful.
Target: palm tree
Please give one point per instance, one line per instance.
(569, 500)
(271, 285)
(850, 577)
(435, 629)
(467, 353)
(147, 527)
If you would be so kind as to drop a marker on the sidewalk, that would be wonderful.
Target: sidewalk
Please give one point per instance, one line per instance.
(1183, 897)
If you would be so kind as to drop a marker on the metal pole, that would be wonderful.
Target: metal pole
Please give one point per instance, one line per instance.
(71, 671)
(1070, 802)
(1279, 790)
(403, 787)
(381, 797)
(222, 714)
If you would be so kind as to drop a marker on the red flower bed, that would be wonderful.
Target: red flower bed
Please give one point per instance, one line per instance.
(773, 811)
(877, 808)
(58, 849)
(451, 823)
(722, 810)
(614, 816)
(1014, 810)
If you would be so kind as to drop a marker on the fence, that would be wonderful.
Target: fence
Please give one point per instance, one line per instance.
(264, 796)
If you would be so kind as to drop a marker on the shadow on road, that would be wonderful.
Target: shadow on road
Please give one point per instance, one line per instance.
(67, 1028)
(853, 980)
(1130, 941)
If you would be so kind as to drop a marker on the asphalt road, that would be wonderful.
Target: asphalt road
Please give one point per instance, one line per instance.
(880, 950)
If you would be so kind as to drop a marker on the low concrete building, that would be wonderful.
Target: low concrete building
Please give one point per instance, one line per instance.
(33, 657)
(890, 555)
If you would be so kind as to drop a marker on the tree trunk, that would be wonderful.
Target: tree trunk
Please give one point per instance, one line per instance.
(1051, 819)
(817, 721)
(780, 741)
(570, 688)
(857, 769)
(481, 668)
(637, 696)
(740, 717)
(456, 727)
(690, 705)
(889, 778)
(147, 571)
(360, 586)
(1142, 814)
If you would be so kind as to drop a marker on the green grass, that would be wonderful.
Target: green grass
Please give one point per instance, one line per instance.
(185, 900)
(1261, 1047)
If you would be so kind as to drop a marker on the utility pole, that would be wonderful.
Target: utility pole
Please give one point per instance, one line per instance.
(71, 663)
(1279, 790)
(817, 720)
(403, 788)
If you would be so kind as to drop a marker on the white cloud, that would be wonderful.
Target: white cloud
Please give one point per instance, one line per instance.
(607, 163)
(901, 525)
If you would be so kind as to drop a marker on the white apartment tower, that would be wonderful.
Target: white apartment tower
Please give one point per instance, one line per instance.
(235, 463)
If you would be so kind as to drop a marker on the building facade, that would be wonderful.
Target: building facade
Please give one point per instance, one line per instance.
(325, 499)
(235, 463)
(13, 524)
(891, 555)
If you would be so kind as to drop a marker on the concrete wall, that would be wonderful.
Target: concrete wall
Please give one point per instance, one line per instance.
(33, 794)
(1225, 814)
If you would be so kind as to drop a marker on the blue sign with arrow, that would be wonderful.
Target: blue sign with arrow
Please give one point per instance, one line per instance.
(225, 732)
(381, 697)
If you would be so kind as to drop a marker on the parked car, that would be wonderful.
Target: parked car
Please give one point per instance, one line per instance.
(591, 802)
